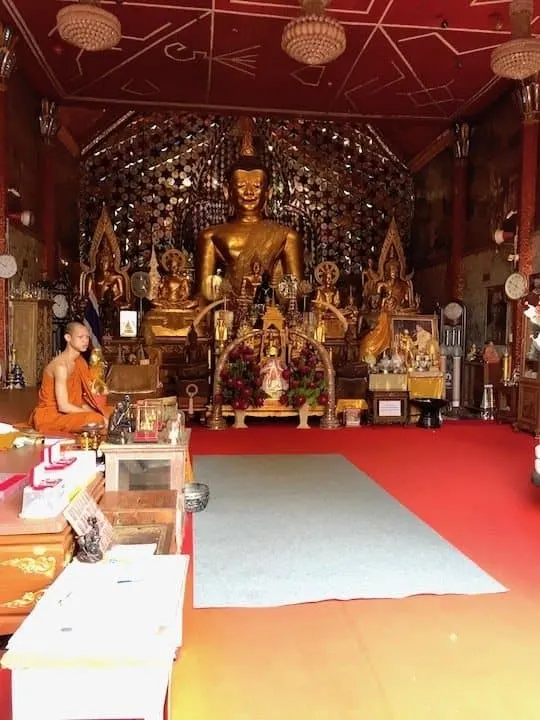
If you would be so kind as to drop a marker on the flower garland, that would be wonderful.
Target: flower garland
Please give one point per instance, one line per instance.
(306, 382)
(241, 382)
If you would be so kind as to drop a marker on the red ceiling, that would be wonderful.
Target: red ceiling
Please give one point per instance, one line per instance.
(401, 70)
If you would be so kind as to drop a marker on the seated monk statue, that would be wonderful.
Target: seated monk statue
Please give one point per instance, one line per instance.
(66, 402)
(327, 291)
(248, 235)
(105, 277)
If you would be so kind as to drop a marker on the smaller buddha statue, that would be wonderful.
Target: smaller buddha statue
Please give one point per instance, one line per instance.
(251, 282)
(105, 277)
(396, 293)
(327, 275)
(273, 382)
(407, 348)
(174, 310)
(175, 287)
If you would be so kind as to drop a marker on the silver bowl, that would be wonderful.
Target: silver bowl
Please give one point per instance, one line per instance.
(196, 496)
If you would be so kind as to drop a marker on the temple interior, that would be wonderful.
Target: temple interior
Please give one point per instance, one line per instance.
(264, 217)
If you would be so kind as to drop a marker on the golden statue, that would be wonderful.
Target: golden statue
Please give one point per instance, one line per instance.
(175, 287)
(252, 282)
(327, 275)
(104, 272)
(370, 280)
(396, 293)
(248, 236)
(96, 365)
(174, 310)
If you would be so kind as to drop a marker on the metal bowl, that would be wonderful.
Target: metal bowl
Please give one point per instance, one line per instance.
(196, 496)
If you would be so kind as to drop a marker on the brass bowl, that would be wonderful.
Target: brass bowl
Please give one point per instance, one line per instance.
(196, 496)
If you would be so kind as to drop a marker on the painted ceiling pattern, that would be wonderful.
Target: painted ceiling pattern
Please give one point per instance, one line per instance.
(424, 61)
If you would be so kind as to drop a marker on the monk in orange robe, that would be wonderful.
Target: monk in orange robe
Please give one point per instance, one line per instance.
(66, 401)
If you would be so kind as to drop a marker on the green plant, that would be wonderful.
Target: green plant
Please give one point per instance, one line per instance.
(306, 382)
(241, 382)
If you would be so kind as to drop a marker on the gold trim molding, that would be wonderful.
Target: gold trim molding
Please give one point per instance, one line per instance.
(29, 598)
(32, 566)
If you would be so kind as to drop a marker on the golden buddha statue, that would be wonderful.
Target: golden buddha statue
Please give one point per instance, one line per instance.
(174, 310)
(104, 277)
(327, 275)
(175, 287)
(252, 282)
(396, 293)
(248, 235)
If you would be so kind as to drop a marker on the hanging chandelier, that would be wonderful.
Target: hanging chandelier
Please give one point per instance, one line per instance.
(314, 38)
(88, 26)
(519, 58)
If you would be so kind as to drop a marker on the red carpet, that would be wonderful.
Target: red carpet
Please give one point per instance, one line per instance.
(425, 657)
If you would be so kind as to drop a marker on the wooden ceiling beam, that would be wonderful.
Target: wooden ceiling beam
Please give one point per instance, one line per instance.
(425, 156)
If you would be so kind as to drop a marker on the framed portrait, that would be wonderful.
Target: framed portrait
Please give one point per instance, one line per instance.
(422, 329)
(128, 323)
(496, 315)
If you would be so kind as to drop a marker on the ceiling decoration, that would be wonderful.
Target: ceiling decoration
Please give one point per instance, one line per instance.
(89, 27)
(314, 38)
(410, 68)
(518, 58)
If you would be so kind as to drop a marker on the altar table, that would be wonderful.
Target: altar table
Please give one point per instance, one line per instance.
(101, 643)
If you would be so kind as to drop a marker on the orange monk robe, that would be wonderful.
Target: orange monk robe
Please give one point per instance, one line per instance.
(47, 418)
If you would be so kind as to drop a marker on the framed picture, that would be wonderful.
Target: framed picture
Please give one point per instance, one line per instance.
(496, 315)
(128, 323)
(421, 328)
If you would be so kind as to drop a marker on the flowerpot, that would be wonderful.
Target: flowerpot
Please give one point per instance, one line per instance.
(303, 416)
(239, 419)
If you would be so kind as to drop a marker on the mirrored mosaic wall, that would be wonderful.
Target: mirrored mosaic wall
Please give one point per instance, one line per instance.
(162, 179)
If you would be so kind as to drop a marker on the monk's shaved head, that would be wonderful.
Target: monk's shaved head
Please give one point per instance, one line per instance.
(72, 327)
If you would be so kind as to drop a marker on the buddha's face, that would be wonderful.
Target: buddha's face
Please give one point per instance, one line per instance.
(248, 189)
(256, 268)
(104, 261)
(392, 272)
(174, 265)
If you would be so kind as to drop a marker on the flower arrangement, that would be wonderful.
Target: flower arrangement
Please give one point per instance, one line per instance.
(306, 382)
(241, 382)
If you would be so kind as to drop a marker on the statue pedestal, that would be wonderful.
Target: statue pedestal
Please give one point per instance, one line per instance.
(167, 323)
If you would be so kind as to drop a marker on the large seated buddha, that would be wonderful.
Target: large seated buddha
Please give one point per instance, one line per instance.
(248, 238)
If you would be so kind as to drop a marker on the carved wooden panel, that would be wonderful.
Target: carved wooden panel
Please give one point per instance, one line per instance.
(32, 337)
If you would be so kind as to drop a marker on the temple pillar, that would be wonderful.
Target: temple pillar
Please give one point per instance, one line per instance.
(456, 277)
(8, 40)
(48, 125)
(528, 96)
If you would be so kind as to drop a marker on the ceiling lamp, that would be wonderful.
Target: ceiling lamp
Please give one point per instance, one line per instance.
(314, 38)
(88, 26)
(519, 58)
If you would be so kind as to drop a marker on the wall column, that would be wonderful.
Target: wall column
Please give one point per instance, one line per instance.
(8, 40)
(528, 96)
(456, 275)
(48, 125)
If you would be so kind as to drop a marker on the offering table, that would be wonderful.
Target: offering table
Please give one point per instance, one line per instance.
(32, 552)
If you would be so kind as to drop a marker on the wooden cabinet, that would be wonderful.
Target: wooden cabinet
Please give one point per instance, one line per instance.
(476, 374)
(32, 552)
(528, 404)
(32, 337)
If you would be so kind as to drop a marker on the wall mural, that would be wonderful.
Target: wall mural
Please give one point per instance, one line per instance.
(162, 177)
(432, 223)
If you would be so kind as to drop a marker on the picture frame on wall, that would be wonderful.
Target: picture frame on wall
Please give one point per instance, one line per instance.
(496, 315)
(533, 298)
(422, 328)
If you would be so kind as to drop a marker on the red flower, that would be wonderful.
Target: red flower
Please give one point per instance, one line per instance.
(284, 399)
(323, 399)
